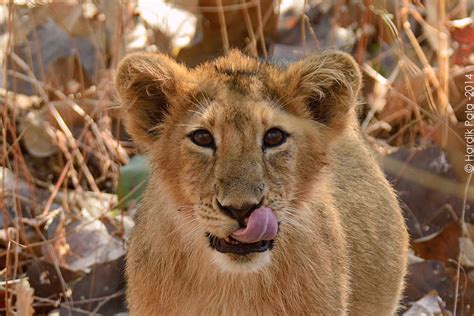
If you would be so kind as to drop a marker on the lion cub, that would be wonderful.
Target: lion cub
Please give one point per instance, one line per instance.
(263, 199)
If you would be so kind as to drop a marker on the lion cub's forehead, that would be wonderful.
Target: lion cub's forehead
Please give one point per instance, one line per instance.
(236, 90)
(240, 114)
(237, 76)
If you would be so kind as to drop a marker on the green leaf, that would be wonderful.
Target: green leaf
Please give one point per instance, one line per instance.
(132, 181)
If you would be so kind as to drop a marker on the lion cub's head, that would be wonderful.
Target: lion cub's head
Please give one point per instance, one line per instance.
(237, 145)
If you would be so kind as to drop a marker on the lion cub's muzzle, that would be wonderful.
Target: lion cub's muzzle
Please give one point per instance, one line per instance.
(258, 229)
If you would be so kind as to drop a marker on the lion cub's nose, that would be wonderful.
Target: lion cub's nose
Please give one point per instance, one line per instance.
(238, 213)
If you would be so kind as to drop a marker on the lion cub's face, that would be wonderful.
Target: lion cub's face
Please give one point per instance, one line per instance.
(236, 144)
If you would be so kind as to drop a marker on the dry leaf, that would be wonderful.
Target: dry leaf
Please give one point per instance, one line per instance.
(467, 246)
(430, 304)
(465, 34)
(430, 194)
(87, 243)
(443, 246)
(36, 138)
(467, 258)
(24, 298)
(104, 280)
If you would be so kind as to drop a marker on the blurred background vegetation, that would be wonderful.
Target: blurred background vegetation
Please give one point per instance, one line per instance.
(70, 178)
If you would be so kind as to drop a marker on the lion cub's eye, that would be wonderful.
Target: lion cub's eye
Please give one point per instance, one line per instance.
(274, 137)
(202, 138)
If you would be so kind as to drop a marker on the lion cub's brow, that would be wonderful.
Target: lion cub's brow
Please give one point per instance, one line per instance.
(235, 72)
(247, 77)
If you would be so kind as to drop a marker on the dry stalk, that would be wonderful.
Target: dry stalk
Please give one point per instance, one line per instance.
(248, 24)
(261, 23)
(223, 26)
(303, 25)
(443, 65)
(225, 8)
(467, 193)
(57, 116)
(427, 68)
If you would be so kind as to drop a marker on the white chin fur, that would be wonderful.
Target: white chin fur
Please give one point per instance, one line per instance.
(242, 264)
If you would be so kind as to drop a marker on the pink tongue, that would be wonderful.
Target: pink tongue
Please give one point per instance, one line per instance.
(262, 225)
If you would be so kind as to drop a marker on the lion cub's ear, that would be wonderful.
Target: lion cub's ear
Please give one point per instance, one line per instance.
(328, 84)
(147, 85)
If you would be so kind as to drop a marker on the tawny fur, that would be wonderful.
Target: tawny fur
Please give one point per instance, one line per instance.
(342, 242)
